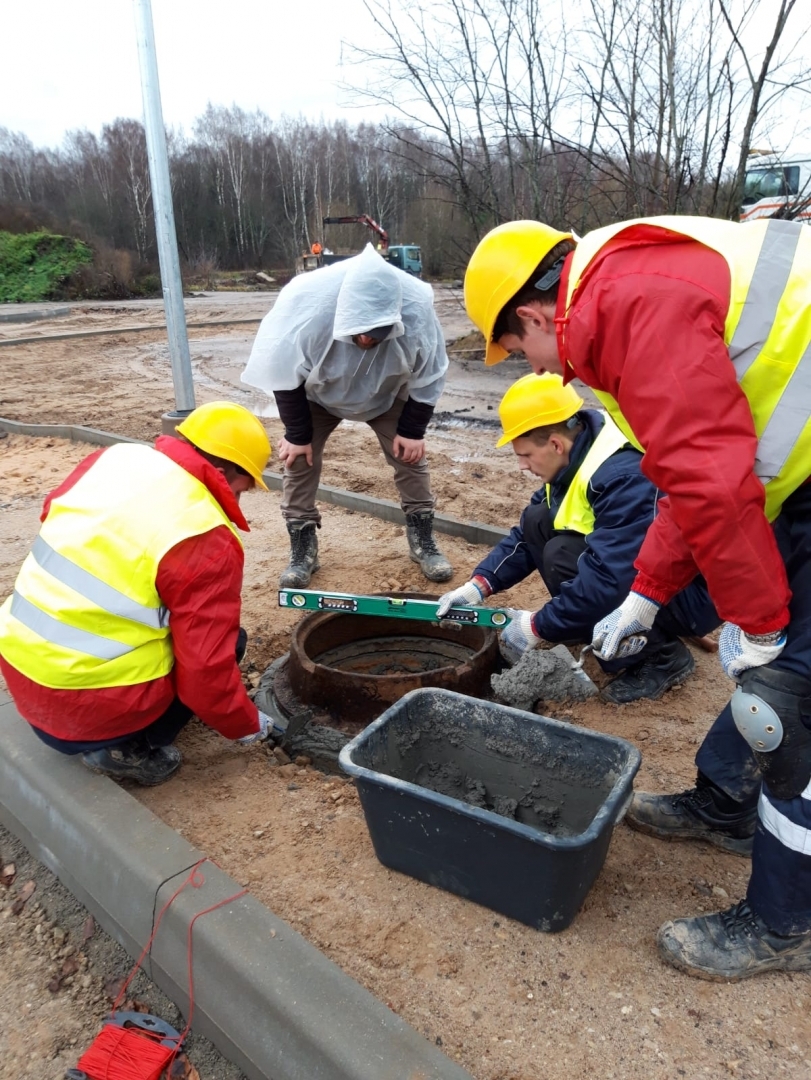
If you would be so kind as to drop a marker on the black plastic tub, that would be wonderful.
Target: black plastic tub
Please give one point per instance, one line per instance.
(508, 809)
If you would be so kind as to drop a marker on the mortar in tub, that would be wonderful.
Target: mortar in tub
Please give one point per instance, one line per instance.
(508, 809)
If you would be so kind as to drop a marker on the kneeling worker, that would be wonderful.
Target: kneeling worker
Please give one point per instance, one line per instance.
(582, 532)
(124, 620)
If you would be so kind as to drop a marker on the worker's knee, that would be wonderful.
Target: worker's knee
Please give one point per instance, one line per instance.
(772, 711)
(560, 555)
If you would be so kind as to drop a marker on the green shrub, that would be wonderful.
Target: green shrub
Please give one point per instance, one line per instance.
(38, 265)
(148, 285)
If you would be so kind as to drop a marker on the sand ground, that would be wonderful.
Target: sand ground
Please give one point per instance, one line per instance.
(507, 1002)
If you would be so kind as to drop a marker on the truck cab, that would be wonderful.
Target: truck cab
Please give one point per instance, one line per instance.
(777, 186)
(406, 257)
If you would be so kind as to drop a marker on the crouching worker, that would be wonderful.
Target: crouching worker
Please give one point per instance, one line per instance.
(582, 531)
(124, 620)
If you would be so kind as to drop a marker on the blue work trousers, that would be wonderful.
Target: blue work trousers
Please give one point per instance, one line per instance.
(780, 885)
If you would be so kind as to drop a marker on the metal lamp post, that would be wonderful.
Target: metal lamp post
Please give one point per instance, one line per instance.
(164, 218)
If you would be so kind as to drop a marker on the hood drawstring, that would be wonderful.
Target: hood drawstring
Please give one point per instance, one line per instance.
(363, 356)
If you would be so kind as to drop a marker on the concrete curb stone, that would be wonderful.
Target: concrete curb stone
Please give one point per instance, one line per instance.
(267, 999)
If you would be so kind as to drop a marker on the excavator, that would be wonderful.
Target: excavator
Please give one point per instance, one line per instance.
(406, 257)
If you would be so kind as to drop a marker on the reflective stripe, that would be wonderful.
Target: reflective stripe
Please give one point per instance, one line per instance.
(791, 413)
(789, 833)
(95, 590)
(765, 292)
(59, 633)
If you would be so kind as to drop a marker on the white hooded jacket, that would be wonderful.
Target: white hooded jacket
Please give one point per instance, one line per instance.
(307, 338)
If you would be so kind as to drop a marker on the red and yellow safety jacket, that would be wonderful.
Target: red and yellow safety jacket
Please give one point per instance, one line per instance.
(127, 602)
(695, 332)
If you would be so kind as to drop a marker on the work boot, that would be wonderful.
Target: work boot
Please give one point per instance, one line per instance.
(701, 813)
(669, 666)
(422, 547)
(135, 761)
(731, 945)
(303, 555)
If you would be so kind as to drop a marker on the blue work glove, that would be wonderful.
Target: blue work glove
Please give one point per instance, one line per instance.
(267, 727)
(625, 631)
(738, 651)
(519, 637)
(471, 593)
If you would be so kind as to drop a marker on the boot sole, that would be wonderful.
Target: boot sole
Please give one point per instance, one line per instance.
(742, 847)
(152, 782)
(761, 968)
(446, 576)
(298, 584)
(676, 679)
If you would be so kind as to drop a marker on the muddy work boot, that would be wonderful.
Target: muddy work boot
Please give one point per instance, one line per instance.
(303, 555)
(731, 945)
(668, 667)
(702, 813)
(422, 547)
(135, 761)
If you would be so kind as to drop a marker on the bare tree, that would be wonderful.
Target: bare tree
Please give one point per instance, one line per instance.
(780, 72)
(579, 114)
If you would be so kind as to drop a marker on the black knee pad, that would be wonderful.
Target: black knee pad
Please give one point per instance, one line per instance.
(772, 710)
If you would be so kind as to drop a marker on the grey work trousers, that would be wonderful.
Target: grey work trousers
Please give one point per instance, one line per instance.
(301, 481)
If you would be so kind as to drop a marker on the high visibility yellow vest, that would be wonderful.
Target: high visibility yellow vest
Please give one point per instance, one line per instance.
(575, 510)
(85, 611)
(767, 333)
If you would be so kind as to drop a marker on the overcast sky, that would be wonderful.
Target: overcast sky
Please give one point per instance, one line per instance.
(74, 63)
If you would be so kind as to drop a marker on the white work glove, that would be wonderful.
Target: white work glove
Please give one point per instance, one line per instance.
(624, 632)
(738, 651)
(467, 595)
(518, 637)
(266, 728)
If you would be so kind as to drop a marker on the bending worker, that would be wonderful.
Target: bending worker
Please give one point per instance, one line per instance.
(696, 335)
(359, 340)
(124, 620)
(581, 532)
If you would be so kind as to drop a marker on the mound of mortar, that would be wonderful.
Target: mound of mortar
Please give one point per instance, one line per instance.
(542, 674)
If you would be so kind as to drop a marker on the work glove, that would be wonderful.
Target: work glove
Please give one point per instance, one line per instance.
(624, 632)
(472, 593)
(519, 636)
(739, 651)
(266, 727)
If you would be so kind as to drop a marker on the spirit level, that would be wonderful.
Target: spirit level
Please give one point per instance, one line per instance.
(392, 607)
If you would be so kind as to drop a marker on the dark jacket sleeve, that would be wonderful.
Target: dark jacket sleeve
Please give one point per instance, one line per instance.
(624, 503)
(414, 419)
(510, 560)
(294, 412)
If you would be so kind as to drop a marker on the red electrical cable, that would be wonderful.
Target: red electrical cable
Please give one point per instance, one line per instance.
(120, 1053)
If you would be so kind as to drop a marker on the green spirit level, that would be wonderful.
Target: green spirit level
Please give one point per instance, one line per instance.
(392, 607)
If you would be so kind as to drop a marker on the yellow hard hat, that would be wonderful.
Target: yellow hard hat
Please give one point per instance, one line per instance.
(229, 431)
(534, 401)
(499, 267)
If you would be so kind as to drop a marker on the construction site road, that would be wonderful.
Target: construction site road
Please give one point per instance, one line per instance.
(506, 1002)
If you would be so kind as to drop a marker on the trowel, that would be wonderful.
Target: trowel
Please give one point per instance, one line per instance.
(577, 665)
